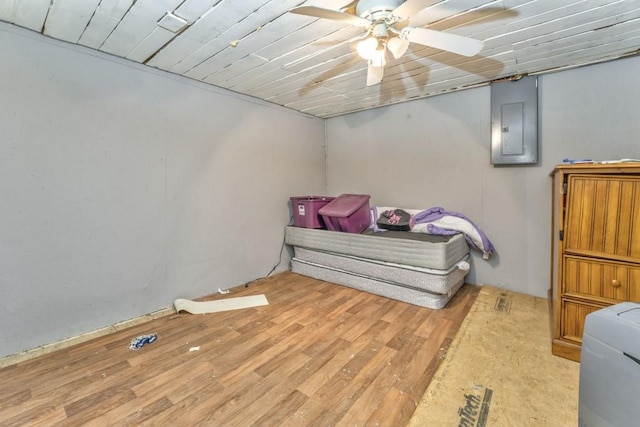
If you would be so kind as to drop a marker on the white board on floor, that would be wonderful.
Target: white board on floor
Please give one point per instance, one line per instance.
(202, 307)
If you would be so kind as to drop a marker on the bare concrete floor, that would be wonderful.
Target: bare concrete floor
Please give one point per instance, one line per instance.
(499, 370)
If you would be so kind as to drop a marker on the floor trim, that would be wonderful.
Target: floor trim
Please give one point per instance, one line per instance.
(12, 359)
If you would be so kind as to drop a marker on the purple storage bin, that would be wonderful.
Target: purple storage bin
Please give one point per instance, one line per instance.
(305, 210)
(348, 213)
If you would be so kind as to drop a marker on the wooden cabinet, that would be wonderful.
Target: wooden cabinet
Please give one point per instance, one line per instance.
(595, 252)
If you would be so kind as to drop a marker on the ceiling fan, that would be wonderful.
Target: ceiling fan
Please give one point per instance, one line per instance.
(379, 19)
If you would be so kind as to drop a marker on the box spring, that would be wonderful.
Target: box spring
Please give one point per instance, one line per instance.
(402, 247)
(431, 280)
(395, 291)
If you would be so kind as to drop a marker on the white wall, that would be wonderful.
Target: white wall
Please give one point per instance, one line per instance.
(435, 152)
(123, 188)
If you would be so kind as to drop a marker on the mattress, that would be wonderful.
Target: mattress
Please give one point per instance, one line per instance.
(427, 279)
(398, 292)
(402, 247)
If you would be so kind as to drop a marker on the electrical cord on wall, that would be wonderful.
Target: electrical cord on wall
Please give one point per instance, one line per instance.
(279, 259)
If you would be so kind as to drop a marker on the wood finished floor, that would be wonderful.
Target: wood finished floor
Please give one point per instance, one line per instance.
(319, 354)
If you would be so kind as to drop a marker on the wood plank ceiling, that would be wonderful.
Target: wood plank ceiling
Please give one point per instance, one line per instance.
(257, 48)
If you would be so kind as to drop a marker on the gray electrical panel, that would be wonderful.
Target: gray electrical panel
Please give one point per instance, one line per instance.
(514, 121)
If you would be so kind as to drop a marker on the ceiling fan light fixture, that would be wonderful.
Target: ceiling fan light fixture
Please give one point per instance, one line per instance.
(367, 47)
(397, 46)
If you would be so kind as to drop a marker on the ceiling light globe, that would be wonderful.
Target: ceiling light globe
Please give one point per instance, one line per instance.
(397, 46)
(367, 47)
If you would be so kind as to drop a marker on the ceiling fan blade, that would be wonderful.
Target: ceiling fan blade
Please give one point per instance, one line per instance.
(319, 12)
(350, 8)
(446, 41)
(411, 7)
(374, 75)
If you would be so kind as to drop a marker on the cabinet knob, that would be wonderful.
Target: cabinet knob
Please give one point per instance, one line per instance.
(615, 283)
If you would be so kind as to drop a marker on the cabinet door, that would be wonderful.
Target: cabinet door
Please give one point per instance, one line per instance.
(603, 216)
(588, 277)
(573, 316)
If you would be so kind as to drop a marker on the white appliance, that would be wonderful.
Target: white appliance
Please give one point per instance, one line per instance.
(610, 368)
